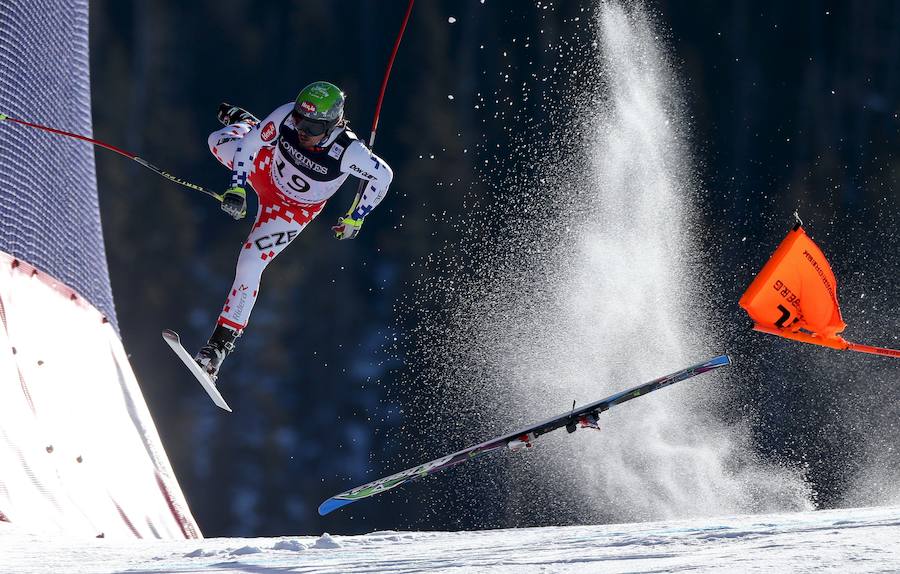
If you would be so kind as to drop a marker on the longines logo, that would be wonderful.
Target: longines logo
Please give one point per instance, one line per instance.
(301, 159)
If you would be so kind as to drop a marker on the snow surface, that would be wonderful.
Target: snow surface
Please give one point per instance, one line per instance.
(849, 540)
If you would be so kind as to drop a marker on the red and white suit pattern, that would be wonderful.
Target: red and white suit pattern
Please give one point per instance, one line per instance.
(284, 174)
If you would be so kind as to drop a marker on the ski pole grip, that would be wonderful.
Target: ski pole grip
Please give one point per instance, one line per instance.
(3, 116)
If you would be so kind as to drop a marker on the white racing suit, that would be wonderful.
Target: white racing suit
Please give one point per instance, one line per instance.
(293, 184)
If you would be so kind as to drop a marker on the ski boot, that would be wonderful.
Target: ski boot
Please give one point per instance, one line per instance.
(229, 114)
(220, 345)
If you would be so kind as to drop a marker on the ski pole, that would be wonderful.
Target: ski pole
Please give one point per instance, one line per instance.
(384, 81)
(129, 155)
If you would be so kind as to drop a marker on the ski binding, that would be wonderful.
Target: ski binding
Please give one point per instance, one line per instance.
(172, 339)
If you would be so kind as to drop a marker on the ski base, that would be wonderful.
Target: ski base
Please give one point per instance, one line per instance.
(172, 339)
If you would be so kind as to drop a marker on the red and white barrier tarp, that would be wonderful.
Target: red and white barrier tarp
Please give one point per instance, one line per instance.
(79, 453)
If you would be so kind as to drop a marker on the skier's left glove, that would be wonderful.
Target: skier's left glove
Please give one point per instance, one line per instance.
(234, 202)
(347, 227)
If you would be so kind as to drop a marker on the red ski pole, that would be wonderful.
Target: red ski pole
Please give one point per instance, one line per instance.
(129, 155)
(384, 81)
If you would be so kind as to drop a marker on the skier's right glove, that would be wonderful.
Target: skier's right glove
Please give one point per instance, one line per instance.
(234, 202)
(347, 227)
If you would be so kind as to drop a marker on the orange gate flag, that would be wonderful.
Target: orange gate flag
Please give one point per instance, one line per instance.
(795, 296)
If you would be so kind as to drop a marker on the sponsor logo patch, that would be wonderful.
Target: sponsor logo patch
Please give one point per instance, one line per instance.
(302, 160)
(268, 132)
(336, 151)
(361, 172)
(319, 91)
(308, 107)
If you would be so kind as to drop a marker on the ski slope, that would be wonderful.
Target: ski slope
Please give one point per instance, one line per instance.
(848, 540)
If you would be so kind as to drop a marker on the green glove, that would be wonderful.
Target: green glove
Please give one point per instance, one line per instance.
(347, 227)
(234, 202)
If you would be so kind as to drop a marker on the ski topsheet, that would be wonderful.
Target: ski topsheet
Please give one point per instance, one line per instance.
(584, 417)
(171, 337)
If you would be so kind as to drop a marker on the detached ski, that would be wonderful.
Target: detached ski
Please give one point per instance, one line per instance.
(171, 337)
(583, 417)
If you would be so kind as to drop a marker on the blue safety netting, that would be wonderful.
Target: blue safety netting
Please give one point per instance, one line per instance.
(49, 214)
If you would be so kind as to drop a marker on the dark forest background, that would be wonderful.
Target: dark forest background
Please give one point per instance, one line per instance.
(792, 106)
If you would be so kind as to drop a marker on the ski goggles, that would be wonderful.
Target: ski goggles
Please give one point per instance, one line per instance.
(309, 127)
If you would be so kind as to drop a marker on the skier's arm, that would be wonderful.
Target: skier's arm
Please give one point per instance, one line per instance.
(263, 133)
(359, 161)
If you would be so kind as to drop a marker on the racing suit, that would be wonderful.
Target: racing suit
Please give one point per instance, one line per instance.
(292, 183)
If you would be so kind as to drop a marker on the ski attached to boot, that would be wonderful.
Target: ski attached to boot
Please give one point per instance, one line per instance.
(583, 417)
(171, 337)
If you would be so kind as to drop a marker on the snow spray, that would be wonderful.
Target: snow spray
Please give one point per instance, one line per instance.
(585, 274)
(636, 301)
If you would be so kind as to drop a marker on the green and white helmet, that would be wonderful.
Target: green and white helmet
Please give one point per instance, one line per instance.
(319, 107)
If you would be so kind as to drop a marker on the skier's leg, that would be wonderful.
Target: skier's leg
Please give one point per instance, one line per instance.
(269, 237)
(278, 222)
(276, 226)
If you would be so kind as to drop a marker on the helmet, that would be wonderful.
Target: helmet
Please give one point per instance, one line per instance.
(319, 107)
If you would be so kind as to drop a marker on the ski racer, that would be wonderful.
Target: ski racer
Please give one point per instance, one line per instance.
(295, 160)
